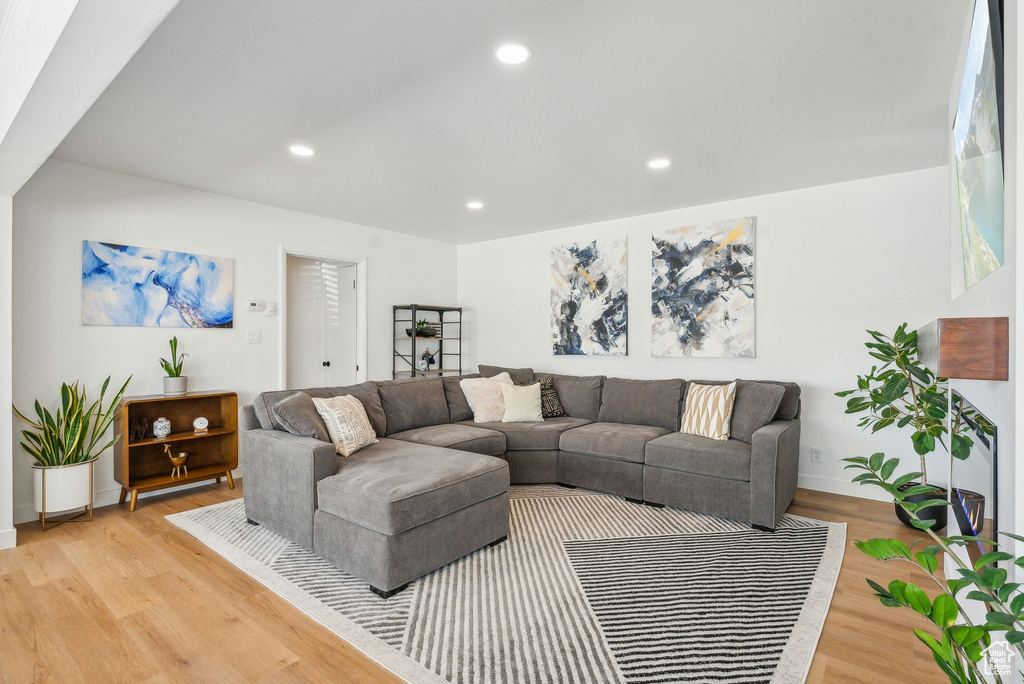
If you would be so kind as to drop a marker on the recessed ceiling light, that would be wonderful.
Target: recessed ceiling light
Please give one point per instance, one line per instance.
(659, 163)
(475, 205)
(302, 150)
(513, 53)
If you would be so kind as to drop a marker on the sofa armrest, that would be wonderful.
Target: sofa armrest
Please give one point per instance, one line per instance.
(774, 462)
(281, 472)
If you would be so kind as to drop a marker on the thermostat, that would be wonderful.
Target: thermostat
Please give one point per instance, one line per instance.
(255, 305)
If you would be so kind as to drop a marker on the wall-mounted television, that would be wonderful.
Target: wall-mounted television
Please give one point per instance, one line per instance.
(977, 138)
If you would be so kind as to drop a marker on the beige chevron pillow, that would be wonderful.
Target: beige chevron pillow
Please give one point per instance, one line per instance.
(347, 423)
(708, 410)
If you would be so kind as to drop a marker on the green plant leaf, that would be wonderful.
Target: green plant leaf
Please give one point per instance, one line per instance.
(889, 467)
(928, 560)
(933, 644)
(981, 596)
(996, 619)
(994, 576)
(917, 599)
(944, 611)
(875, 462)
(992, 557)
(1015, 637)
(924, 442)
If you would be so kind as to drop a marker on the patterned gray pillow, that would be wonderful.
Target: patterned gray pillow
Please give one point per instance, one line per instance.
(550, 405)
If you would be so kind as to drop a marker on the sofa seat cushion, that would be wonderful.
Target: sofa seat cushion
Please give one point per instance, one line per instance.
(393, 485)
(617, 441)
(533, 436)
(461, 437)
(729, 459)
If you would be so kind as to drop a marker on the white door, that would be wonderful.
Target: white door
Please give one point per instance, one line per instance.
(321, 323)
(340, 325)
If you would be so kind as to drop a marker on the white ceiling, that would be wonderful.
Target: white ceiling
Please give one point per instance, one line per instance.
(412, 116)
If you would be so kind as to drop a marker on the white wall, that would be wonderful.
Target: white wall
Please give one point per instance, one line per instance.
(830, 262)
(7, 533)
(64, 204)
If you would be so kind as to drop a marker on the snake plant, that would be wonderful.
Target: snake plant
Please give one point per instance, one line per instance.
(173, 367)
(75, 433)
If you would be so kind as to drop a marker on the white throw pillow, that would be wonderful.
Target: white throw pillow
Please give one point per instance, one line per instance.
(347, 423)
(485, 398)
(708, 411)
(522, 403)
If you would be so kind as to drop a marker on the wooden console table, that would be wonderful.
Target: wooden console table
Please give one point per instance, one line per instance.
(141, 465)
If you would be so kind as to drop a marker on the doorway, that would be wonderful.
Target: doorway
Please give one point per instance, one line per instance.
(321, 322)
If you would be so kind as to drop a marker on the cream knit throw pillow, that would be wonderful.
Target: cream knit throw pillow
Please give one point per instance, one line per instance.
(347, 423)
(522, 403)
(708, 410)
(484, 396)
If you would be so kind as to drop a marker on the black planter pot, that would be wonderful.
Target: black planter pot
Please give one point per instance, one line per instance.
(936, 513)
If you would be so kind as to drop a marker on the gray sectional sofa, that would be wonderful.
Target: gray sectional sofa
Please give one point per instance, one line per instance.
(435, 486)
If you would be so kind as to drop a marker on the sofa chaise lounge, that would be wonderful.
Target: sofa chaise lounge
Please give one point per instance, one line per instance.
(434, 487)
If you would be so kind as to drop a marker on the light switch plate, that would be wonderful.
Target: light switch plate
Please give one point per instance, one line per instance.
(253, 337)
(271, 309)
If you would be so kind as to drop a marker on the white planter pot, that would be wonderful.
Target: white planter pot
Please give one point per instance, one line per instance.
(66, 487)
(177, 385)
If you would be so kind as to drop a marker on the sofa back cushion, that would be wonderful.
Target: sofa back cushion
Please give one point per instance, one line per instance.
(299, 415)
(520, 376)
(756, 405)
(458, 407)
(413, 403)
(789, 407)
(365, 392)
(580, 395)
(641, 402)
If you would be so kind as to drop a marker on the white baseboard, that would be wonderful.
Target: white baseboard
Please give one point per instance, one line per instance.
(845, 487)
(8, 538)
(27, 513)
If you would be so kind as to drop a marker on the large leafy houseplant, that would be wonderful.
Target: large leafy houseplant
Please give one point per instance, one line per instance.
(957, 644)
(904, 392)
(75, 434)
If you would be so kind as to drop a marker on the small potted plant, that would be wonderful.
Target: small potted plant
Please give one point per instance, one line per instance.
(65, 446)
(423, 329)
(175, 382)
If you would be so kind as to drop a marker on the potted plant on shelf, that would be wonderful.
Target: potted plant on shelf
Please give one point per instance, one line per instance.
(903, 392)
(175, 382)
(66, 445)
(423, 329)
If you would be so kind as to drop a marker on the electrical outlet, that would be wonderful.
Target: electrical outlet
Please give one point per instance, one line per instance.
(815, 455)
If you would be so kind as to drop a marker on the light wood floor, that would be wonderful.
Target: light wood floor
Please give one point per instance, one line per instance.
(131, 598)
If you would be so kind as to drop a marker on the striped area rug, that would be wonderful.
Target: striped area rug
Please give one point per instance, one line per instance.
(588, 588)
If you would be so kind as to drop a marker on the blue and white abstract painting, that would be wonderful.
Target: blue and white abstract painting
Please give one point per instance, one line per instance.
(137, 286)
(702, 290)
(588, 298)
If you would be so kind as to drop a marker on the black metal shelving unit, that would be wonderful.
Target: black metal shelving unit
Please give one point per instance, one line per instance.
(449, 335)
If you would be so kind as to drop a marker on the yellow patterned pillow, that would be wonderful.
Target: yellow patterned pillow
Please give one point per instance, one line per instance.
(347, 423)
(708, 411)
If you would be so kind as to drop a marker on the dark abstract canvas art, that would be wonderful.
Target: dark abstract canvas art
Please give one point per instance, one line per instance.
(702, 290)
(588, 297)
